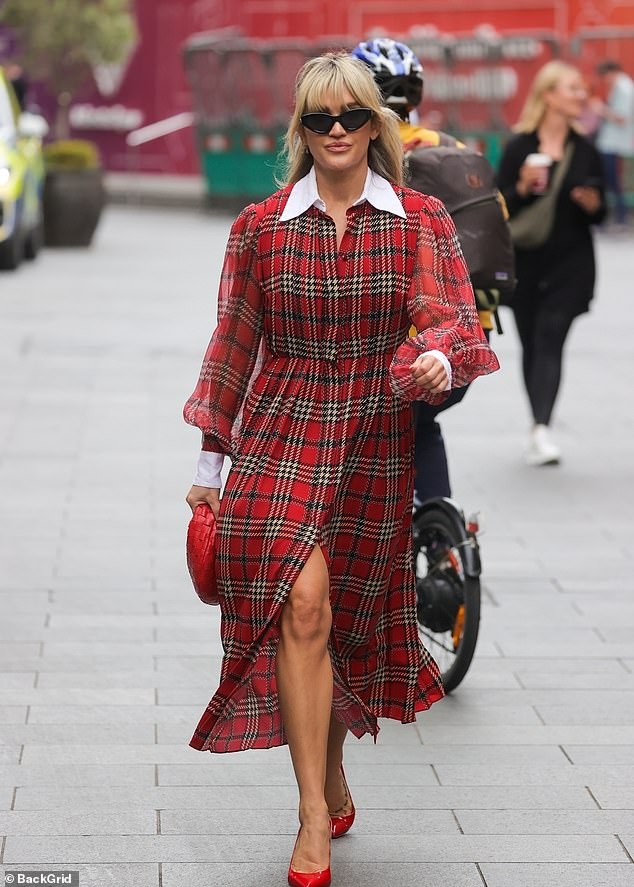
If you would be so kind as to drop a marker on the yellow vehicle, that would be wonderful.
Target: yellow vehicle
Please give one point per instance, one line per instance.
(21, 179)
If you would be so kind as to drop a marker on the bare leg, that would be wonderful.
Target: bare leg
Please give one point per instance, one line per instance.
(304, 683)
(336, 796)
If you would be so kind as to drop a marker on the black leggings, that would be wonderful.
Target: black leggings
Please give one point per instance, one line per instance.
(542, 332)
(431, 474)
(431, 471)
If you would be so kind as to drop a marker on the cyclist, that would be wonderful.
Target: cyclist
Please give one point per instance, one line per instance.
(399, 74)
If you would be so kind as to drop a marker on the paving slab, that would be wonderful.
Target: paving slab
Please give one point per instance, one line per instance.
(35, 849)
(553, 664)
(601, 711)
(491, 680)
(570, 875)
(132, 678)
(599, 754)
(71, 696)
(79, 602)
(103, 648)
(475, 698)
(13, 714)
(10, 754)
(9, 651)
(64, 822)
(596, 734)
(535, 774)
(473, 755)
(69, 774)
(96, 714)
(613, 797)
(450, 714)
(108, 755)
(55, 662)
(432, 797)
(194, 694)
(54, 635)
(29, 602)
(603, 680)
(17, 680)
(105, 733)
(175, 734)
(549, 822)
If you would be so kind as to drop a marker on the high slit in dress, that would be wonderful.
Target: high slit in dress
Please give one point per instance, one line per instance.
(306, 386)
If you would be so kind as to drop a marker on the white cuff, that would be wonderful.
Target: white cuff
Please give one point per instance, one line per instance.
(445, 362)
(208, 469)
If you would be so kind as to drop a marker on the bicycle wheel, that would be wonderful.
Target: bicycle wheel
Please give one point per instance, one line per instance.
(448, 599)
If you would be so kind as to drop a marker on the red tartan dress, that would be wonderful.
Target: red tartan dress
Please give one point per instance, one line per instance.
(322, 453)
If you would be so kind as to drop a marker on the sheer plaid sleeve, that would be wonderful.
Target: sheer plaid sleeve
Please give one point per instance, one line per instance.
(442, 309)
(230, 360)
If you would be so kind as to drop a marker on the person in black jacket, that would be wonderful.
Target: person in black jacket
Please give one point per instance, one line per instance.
(555, 281)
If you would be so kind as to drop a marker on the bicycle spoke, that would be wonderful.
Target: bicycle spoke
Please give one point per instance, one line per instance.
(432, 638)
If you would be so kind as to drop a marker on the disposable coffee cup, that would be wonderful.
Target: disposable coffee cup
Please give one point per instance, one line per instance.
(543, 162)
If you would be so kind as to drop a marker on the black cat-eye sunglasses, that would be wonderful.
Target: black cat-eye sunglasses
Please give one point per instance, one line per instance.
(322, 123)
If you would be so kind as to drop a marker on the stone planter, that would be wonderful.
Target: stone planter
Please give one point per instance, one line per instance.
(73, 201)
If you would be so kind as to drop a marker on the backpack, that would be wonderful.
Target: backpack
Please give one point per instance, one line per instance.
(465, 182)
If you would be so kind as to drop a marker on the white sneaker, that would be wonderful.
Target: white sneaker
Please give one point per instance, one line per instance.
(541, 450)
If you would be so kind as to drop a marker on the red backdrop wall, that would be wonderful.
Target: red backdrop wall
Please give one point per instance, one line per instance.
(154, 86)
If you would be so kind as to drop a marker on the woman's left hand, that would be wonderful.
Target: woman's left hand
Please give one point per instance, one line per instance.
(428, 372)
(204, 496)
(587, 197)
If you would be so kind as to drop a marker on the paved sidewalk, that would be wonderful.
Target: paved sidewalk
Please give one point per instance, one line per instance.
(523, 778)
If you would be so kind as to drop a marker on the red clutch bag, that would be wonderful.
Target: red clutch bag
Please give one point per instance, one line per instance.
(201, 554)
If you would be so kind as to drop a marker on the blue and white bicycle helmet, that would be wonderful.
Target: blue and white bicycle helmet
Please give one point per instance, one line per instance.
(397, 71)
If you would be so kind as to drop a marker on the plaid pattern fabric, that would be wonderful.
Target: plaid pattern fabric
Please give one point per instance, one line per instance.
(321, 447)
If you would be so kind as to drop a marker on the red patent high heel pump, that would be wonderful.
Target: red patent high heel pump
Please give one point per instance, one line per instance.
(322, 878)
(339, 825)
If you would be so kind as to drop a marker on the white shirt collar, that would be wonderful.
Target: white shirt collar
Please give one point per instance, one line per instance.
(376, 191)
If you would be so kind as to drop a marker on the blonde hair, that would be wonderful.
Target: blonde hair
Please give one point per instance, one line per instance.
(534, 108)
(331, 75)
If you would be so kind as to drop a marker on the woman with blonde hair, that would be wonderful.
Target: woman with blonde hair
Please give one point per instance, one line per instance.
(307, 385)
(555, 267)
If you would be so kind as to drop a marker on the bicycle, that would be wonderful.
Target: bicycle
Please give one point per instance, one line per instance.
(447, 566)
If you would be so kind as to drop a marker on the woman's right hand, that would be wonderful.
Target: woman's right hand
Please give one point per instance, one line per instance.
(209, 495)
(529, 178)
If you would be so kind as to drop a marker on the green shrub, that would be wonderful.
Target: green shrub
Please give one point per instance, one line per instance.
(69, 154)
